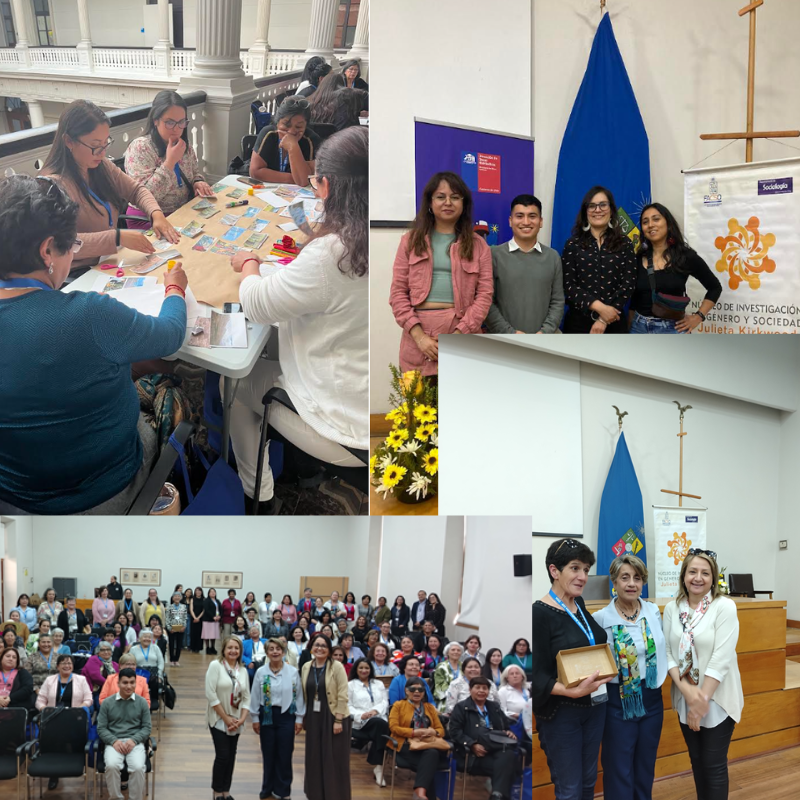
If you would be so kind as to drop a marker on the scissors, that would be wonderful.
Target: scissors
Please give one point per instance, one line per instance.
(120, 272)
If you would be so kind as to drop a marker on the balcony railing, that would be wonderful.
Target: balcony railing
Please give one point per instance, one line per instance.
(269, 90)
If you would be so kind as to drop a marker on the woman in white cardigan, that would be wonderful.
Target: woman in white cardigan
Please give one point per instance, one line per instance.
(320, 301)
(368, 702)
(702, 630)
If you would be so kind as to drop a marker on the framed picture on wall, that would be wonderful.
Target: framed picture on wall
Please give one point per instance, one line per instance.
(223, 580)
(140, 577)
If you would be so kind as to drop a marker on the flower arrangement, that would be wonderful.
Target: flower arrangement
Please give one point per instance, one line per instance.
(406, 464)
(723, 586)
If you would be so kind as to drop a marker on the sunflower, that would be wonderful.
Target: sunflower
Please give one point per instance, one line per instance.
(424, 431)
(393, 475)
(431, 461)
(396, 438)
(425, 414)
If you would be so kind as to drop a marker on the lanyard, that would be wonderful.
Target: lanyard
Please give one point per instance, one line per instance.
(299, 649)
(381, 667)
(52, 609)
(24, 283)
(147, 653)
(454, 672)
(178, 175)
(522, 661)
(49, 659)
(105, 205)
(62, 687)
(369, 689)
(284, 158)
(585, 627)
(484, 712)
(5, 682)
(128, 605)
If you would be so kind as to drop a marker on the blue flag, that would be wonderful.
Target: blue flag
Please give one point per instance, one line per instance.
(605, 142)
(621, 527)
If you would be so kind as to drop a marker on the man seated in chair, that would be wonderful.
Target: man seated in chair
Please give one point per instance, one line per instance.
(124, 726)
(478, 726)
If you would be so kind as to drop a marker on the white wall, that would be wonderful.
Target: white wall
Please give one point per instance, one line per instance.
(786, 584)
(115, 24)
(17, 559)
(687, 62)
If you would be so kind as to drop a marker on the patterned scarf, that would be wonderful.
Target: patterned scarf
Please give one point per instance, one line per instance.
(266, 705)
(687, 655)
(627, 657)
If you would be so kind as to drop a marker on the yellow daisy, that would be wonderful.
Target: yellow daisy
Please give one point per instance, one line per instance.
(396, 438)
(372, 465)
(393, 475)
(425, 413)
(431, 461)
(425, 431)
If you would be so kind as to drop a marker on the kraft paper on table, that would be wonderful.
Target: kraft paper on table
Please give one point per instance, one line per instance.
(211, 277)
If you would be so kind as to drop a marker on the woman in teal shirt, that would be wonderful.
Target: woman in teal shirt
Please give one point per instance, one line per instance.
(520, 656)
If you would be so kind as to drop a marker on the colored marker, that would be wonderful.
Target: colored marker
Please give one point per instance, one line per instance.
(237, 203)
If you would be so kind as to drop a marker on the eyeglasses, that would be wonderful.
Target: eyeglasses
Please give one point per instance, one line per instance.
(696, 551)
(170, 124)
(598, 206)
(453, 198)
(76, 245)
(570, 543)
(97, 150)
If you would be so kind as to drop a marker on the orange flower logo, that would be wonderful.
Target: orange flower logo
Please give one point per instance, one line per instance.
(745, 253)
(679, 547)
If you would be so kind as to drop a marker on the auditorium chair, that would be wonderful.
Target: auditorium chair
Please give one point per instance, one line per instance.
(149, 768)
(13, 753)
(741, 585)
(401, 764)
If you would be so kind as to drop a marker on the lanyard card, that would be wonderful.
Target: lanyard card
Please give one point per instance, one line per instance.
(600, 696)
(317, 704)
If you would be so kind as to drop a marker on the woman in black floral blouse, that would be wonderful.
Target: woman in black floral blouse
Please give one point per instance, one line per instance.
(599, 266)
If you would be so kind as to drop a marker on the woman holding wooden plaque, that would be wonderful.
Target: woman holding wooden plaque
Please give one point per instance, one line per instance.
(702, 630)
(635, 713)
(570, 721)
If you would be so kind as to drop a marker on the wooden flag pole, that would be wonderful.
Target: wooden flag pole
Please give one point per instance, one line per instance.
(681, 494)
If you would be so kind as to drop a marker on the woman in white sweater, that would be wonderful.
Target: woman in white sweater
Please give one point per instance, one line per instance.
(702, 629)
(321, 303)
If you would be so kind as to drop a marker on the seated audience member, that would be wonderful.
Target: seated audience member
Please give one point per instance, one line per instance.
(102, 609)
(321, 298)
(369, 641)
(133, 622)
(286, 150)
(520, 655)
(265, 610)
(366, 610)
(33, 640)
(380, 658)
(50, 608)
(472, 723)
(251, 618)
(351, 652)
(360, 629)
(410, 668)
(27, 614)
(99, 667)
(493, 666)
(64, 688)
(124, 725)
(10, 639)
(322, 618)
(340, 629)
(447, 672)
(472, 649)
(406, 649)
(16, 690)
(276, 628)
(240, 628)
(254, 652)
(368, 703)
(304, 623)
(432, 656)
(100, 189)
(401, 617)
(288, 610)
(528, 282)
(159, 638)
(512, 693)
(336, 607)
(329, 631)
(42, 663)
(121, 639)
(527, 717)
(111, 686)
(59, 648)
(151, 607)
(319, 609)
(442, 274)
(114, 589)
(382, 613)
(21, 628)
(421, 639)
(322, 102)
(459, 688)
(347, 105)
(352, 73)
(163, 160)
(84, 388)
(412, 718)
(127, 603)
(147, 656)
(295, 646)
(338, 654)
(386, 636)
(314, 71)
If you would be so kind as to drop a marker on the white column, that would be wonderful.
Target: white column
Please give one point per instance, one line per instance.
(323, 30)
(37, 115)
(84, 46)
(162, 48)
(259, 52)
(218, 72)
(360, 48)
(23, 37)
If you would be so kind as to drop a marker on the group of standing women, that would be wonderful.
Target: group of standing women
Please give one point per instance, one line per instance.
(695, 645)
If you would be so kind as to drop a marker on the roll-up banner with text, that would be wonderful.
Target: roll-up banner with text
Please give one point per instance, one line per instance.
(744, 220)
(676, 531)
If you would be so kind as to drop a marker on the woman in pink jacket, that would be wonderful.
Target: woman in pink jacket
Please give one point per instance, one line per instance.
(64, 688)
(442, 281)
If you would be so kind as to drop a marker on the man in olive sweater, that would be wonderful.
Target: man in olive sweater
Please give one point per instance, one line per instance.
(528, 285)
(124, 726)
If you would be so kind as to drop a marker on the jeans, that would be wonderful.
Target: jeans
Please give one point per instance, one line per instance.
(630, 746)
(571, 742)
(708, 751)
(652, 324)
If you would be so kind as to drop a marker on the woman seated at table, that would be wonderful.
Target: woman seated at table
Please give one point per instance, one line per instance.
(78, 405)
(78, 159)
(413, 718)
(16, 690)
(459, 688)
(322, 102)
(321, 302)
(162, 160)
(285, 151)
(111, 686)
(314, 71)
(352, 73)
